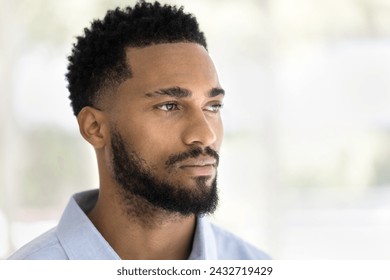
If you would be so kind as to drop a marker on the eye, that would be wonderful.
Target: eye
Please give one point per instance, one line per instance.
(214, 108)
(168, 107)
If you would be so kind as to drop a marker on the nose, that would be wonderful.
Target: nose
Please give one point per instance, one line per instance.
(199, 130)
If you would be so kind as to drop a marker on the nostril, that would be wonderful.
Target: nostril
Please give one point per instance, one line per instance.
(200, 135)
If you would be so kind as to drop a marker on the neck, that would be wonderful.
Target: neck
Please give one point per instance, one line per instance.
(135, 229)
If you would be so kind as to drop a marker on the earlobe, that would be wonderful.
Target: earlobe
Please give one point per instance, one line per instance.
(92, 126)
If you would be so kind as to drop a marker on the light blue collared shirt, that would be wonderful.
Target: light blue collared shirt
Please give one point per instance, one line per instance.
(76, 238)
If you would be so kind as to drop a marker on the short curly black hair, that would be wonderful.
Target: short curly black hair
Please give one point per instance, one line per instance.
(98, 59)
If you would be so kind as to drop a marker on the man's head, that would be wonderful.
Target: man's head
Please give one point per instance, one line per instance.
(147, 97)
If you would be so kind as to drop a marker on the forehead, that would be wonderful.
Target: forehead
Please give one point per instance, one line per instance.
(173, 64)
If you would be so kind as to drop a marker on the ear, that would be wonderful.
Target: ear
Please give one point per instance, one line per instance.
(93, 126)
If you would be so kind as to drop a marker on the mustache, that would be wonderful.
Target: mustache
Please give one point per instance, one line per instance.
(193, 153)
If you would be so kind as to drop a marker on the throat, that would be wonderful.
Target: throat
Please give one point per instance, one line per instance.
(135, 229)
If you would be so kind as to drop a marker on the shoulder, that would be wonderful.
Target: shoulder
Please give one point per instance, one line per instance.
(230, 246)
(44, 247)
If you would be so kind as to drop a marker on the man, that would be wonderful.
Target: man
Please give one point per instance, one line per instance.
(147, 98)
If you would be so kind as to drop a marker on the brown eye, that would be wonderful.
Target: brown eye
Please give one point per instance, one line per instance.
(168, 107)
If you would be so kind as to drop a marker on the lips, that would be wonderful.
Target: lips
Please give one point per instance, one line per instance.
(200, 161)
(200, 166)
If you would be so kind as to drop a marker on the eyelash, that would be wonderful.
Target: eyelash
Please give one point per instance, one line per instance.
(216, 107)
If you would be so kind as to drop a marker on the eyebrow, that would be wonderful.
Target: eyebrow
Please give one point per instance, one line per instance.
(216, 91)
(179, 92)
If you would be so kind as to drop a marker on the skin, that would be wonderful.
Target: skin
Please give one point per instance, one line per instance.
(156, 126)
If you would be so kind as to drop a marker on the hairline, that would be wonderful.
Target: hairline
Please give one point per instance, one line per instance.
(109, 86)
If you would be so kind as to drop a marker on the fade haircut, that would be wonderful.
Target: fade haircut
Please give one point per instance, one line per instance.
(98, 58)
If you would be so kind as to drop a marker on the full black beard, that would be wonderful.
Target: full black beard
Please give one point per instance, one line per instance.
(137, 180)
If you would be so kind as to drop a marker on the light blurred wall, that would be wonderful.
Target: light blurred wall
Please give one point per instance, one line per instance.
(305, 160)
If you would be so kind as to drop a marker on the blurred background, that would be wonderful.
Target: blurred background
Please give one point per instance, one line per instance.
(305, 163)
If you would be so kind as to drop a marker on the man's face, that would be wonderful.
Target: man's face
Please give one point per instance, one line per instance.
(166, 128)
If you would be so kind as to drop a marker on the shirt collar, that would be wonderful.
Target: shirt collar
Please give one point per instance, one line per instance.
(76, 233)
(204, 244)
(81, 240)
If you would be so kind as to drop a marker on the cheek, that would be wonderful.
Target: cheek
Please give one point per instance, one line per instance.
(153, 144)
